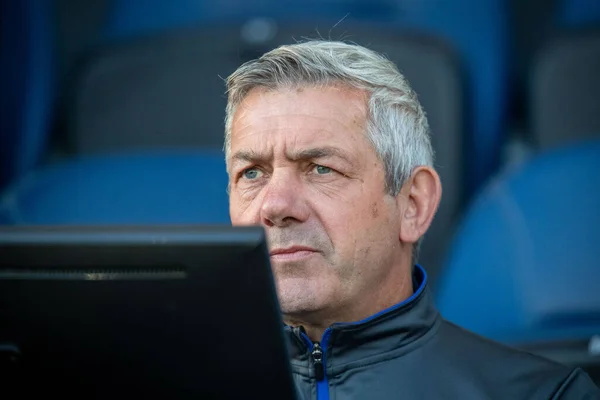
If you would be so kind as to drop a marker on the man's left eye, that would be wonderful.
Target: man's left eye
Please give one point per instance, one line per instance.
(322, 170)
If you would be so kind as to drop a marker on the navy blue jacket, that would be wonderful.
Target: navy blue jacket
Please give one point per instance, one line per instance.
(410, 352)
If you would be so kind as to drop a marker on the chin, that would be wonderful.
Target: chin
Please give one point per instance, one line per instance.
(300, 295)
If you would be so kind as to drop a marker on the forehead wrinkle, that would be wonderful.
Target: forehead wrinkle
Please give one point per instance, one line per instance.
(332, 122)
(270, 101)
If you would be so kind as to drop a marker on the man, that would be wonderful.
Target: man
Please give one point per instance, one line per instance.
(328, 149)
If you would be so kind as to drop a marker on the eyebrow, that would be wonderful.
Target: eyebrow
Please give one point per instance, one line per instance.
(253, 157)
(319, 152)
(249, 156)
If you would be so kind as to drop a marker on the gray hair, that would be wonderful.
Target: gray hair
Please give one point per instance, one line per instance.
(397, 126)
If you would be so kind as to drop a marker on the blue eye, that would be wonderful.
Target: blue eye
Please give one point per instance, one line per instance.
(251, 173)
(321, 170)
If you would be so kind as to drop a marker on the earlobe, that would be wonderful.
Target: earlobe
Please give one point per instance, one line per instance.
(422, 194)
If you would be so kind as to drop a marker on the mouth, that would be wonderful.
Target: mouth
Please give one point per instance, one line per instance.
(294, 253)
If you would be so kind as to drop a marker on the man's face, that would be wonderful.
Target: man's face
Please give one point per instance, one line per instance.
(301, 166)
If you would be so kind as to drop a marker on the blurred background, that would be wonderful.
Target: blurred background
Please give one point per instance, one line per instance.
(112, 113)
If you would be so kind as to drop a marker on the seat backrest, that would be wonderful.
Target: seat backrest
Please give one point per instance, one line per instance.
(478, 30)
(524, 265)
(164, 91)
(564, 88)
(169, 91)
(178, 187)
(574, 13)
(27, 82)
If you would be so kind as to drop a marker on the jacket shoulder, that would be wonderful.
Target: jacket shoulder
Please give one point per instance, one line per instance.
(578, 385)
(514, 373)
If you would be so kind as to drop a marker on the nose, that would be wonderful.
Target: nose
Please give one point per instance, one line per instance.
(284, 202)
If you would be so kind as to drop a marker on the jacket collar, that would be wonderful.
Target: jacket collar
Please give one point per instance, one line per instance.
(393, 328)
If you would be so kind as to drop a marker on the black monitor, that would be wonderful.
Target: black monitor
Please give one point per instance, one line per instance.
(140, 313)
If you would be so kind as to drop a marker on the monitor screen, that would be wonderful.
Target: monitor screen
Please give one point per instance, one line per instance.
(143, 312)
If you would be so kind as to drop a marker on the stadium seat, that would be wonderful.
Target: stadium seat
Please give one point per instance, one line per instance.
(484, 55)
(524, 268)
(565, 83)
(177, 187)
(574, 13)
(27, 81)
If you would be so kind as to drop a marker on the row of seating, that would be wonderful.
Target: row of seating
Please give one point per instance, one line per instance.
(159, 187)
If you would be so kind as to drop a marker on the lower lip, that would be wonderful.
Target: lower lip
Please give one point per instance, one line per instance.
(294, 256)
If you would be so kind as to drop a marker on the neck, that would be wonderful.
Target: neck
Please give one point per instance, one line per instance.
(389, 293)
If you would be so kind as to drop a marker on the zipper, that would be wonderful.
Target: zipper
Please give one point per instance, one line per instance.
(317, 355)
(317, 352)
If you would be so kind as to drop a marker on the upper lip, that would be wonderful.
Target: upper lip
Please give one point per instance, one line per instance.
(292, 249)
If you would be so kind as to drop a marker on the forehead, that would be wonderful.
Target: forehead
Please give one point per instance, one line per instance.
(319, 101)
(299, 113)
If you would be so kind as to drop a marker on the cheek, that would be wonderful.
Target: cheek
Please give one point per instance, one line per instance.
(342, 222)
(336, 214)
(374, 224)
(241, 211)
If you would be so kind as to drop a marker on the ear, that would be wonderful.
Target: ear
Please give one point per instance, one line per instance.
(422, 194)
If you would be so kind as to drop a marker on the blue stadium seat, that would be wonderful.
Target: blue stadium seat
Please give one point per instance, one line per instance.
(573, 13)
(525, 266)
(477, 29)
(27, 82)
(179, 187)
